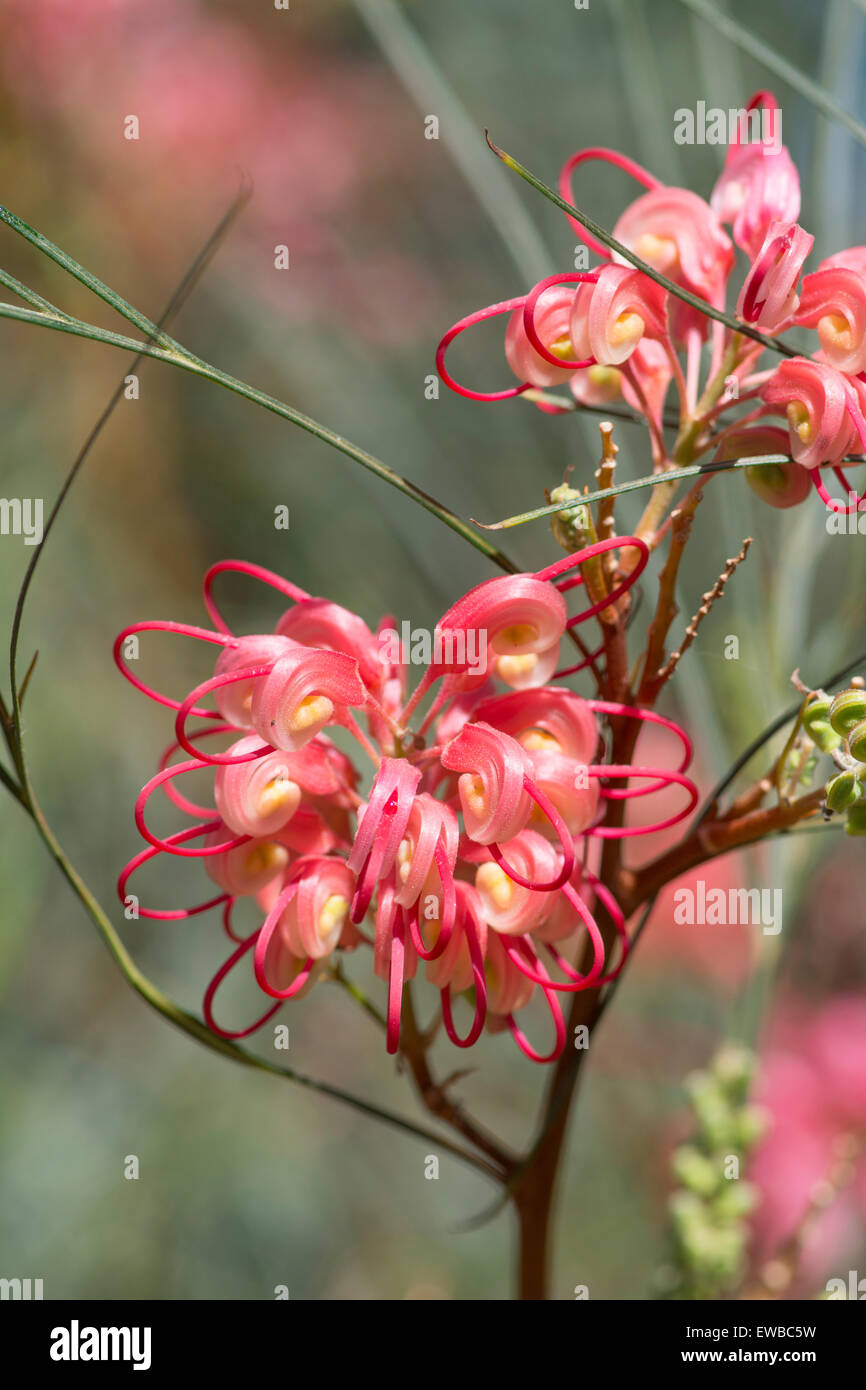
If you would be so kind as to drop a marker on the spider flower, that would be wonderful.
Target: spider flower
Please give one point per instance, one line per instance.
(816, 398)
(759, 185)
(834, 303)
(463, 856)
(768, 299)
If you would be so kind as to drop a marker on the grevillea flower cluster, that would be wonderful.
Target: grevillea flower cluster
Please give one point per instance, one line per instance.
(612, 332)
(468, 857)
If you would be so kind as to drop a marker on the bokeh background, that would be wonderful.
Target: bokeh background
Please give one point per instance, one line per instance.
(247, 1182)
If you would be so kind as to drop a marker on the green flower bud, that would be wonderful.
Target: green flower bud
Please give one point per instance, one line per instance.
(848, 709)
(843, 791)
(695, 1171)
(735, 1201)
(734, 1067)
(856, 823)
(817, 725)
(857, 742)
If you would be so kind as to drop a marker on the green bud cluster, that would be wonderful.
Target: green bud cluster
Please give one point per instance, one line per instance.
(841, 723)
(711, 1204)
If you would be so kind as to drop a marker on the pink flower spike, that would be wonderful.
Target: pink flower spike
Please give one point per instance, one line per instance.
(610, 318)
(256, 798)
(834, 302)
(310, 914)
(302, 693)
(815, 398)
(538, 338)
(274, 581)
(507, 306)
(768, 298)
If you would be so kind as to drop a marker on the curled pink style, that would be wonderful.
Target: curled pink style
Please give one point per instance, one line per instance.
(518, 620)
(256, 798)
(493, 770)
(302, 693)
(815, 398)
(833, 302)
(610, 317)
(509, 906)
(234, 699)
(538, 346)
(316, 622)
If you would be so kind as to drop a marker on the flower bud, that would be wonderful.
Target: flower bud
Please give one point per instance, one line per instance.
(843, 791)
(847, 710)
(857, 742)
(817, 724)
(856, 822)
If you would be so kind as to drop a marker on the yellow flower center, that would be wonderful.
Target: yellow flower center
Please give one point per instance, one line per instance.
(661, 252)
(628, 328)
(539, 741)
(333, 914)
(800, 422)
(266, 857)
(313, 709)
(835, 332)
(561, 347)
(493, 883)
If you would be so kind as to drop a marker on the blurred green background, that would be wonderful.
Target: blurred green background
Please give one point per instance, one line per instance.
(246, 1182)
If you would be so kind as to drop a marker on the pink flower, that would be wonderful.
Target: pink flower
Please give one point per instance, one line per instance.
(465, 852)
(610, 317)
(677, 233)
(812, 1081)
(834, 302)
(759, 185)
(768, 299)
(817, 401)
